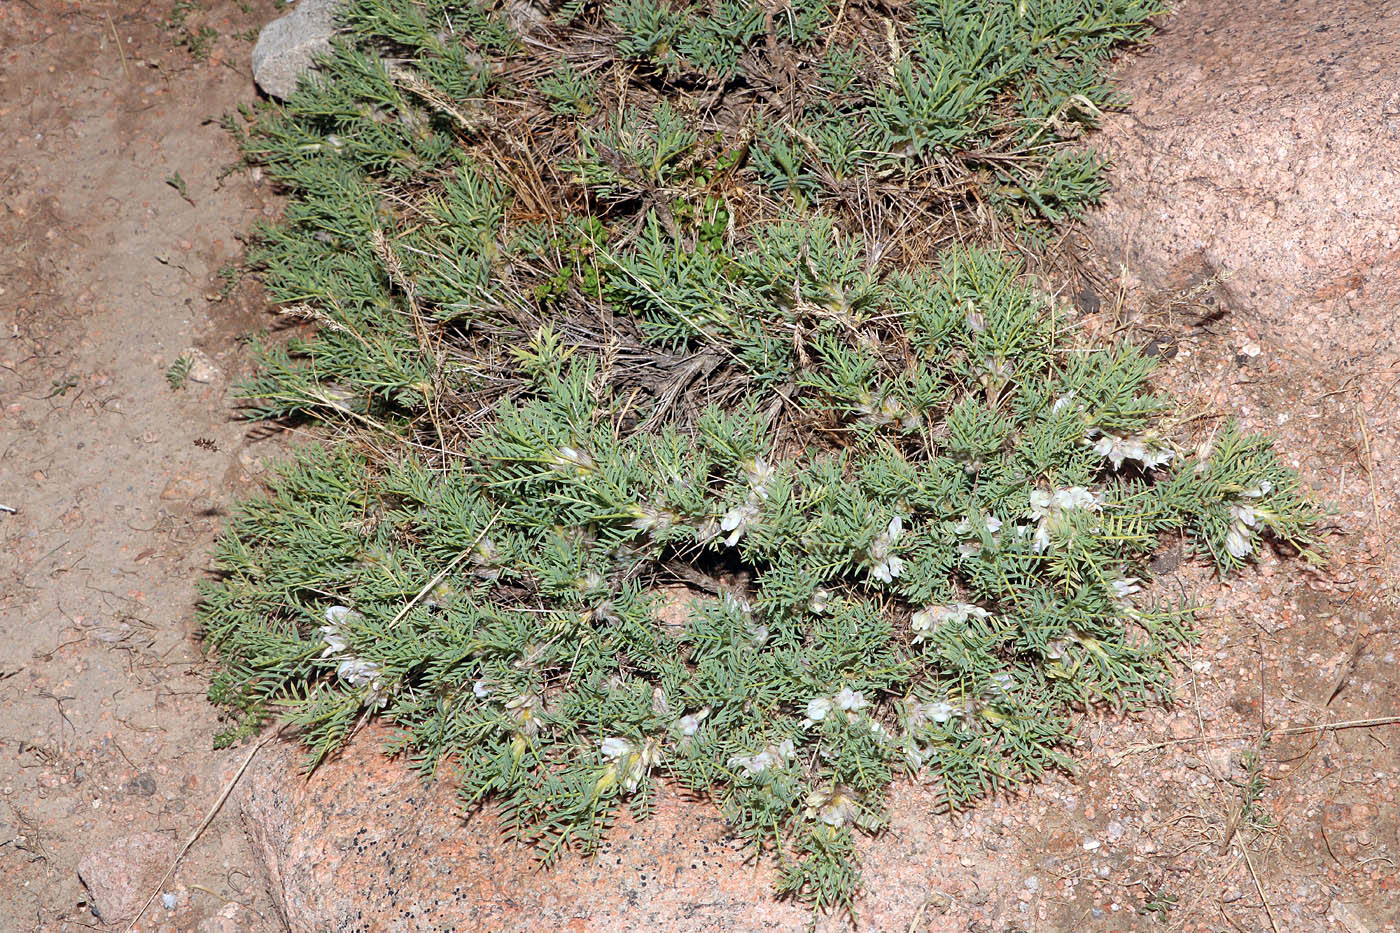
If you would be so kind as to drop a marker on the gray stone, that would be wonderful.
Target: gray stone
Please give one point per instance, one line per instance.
(287, 47)
(202, 368)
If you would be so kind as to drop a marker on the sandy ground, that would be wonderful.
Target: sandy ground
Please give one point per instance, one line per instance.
(1179, 819)
(118, 481)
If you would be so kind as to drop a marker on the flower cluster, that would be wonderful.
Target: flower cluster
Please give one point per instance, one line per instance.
(848, 701)
(972, 544)
(737, 520)
(888, 410)
(774, 756)
(356, 672)
(930, 618)
(689, 724)
(885, 565)
(918, 715)
(566, 458)
(653, 521)
(1151, 452)
(524, 710)
(1124, 586)
(630, 762)
(1049, 508)
(836, 806)
(1244, 518)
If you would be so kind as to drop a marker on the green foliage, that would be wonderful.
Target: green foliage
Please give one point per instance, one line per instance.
(178, 372)
(569, 91)
(642, 339)
(198, 41)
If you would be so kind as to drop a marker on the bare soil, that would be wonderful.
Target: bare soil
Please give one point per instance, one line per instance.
(117, 480)
(1181, 819)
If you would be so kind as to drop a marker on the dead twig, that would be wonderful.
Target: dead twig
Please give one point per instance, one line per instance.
(199, 831)
(1236, 736)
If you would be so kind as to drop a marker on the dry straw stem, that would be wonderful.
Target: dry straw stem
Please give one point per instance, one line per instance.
(199, 831)
(1272, 733)
(428, 587)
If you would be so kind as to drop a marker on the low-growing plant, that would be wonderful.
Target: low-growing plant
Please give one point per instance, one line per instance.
(580, 341)
(177, 374)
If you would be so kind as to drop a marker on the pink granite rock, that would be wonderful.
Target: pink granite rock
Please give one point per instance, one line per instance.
(1263, 139)
(119, 877)
(363, 845)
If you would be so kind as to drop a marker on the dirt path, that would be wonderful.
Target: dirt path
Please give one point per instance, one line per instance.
(117, 480)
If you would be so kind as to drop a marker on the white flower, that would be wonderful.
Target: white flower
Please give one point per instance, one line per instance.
(1114, 448)
(1147, 451)
(1061, 403)
(339, 615)
(630, 762)
(818, 603)
(733, 603)
(1073, 497)
(885, 566)
(1001, 683)
(759, 473)
(886, 570)
(737, 520)
(1244, 514)
(1239, 541)
(774, 756)
(525, 710)
(849, 700)
(652, 521)
(887, 410)
(758, 634)
(1263, 488)
(359, 674)
(480, 689)
(835, 807)
(975, 321)
(689, 724)
(966, 528)
(891, 410)
(927, 620)
(818, 708)
(1124, 587)
(566, 457)
(940, 711)
(1048, 509)
(335, 641)
(1157, 456)
(615, 748)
